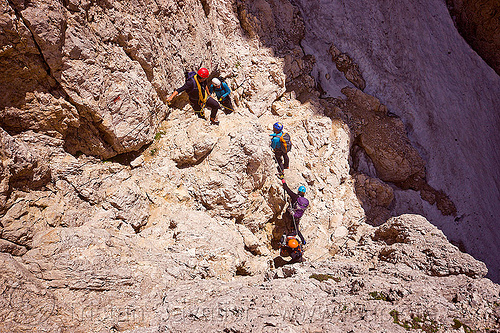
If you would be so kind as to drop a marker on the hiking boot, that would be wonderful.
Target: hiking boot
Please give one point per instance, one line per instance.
(214, 122)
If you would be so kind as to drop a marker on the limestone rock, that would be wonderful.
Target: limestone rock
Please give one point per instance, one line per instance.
(12, 248)
(327, 290)
(389, 149)
(25, 301)
(181, 234)
(137, 162)
(131, 203)
(412, 240)
(20, 168)
(192, 146)
(396, 55)
(44, 113)
(376, 196)
(281, 33)
(347, 66)
(269, 77)
(252, 243)
(24, 72)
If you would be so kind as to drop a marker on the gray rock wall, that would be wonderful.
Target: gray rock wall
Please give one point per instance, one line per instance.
(414, 60)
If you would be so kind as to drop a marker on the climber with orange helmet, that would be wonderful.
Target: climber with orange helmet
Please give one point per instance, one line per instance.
(199, 96)
(291, 247)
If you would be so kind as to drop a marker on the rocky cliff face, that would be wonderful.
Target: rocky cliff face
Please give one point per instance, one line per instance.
(421, 69)
(479, 22)
(121, 213)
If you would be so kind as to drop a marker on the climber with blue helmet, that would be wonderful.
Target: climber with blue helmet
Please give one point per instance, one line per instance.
(199, 96)
(297, 206)
(281, 145)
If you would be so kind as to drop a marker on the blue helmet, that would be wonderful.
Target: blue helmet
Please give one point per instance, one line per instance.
(302, 190)
(278, 127)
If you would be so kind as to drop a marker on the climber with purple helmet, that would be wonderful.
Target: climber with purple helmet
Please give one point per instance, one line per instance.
(199, 96)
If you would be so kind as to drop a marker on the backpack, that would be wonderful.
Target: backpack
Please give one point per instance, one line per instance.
(286, 142)
(299, 207)
(190, 76)
(296, 254)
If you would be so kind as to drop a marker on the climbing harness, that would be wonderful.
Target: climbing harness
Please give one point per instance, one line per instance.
(202, 95)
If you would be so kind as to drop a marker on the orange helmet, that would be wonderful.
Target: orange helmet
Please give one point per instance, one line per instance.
(293, 243)
(203, 73)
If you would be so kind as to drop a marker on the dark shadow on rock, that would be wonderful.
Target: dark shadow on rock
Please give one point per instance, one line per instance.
(479, 22)
(280, 262)
(127, 158)
(282, 226)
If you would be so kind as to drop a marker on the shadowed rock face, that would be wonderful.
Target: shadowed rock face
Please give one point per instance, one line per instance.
(478, 21)
(415, 62)
(184, 235)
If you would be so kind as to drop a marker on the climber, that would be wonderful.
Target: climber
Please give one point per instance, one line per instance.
(199, 96)
(290, 247)
(222, 91)
(296, 208)
(281, 145)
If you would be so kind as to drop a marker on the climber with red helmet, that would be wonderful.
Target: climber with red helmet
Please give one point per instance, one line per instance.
(199, 96)
(281, 145)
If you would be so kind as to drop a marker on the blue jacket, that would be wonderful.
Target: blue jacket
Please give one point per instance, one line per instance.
(275, 141)
(222, 92)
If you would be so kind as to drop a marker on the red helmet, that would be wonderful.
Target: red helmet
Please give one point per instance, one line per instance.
(203, 73)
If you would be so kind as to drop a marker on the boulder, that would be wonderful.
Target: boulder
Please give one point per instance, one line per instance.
(412, 240)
